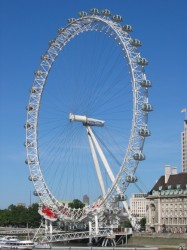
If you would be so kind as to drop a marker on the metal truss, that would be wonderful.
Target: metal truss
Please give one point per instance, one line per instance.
(81, 235)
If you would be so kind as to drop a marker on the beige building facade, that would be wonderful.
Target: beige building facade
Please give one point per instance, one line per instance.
(167, 203)
(138, 204)
(184, 147)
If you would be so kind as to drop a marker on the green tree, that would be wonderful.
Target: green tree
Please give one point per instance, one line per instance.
(20, 216)
(5, 217)
(34, 218)
(143, 222)
(126, 224)
(76, 204)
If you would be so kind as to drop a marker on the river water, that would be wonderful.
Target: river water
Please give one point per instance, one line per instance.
(85, 247)
(110, 248)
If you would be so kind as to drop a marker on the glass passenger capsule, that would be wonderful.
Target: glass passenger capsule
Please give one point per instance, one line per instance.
(30, 161)
(46, 58)
(28, 144)
(131, 179)
(146, 83)
(120, 197)
(71, 20)
(142, 61)
(39, 73)
(144, 132)
(94, 11)
(127, 28)
(82, 14)
(61, 30)
(117, 18)
(51, 42)
(30, 107)
(28, 126)
(135, 42)
(107, 212)
(54, 43)
(36, 90)
(147, 107)
(37, 193)
(32, 178)
(106, 12)
(139, 156)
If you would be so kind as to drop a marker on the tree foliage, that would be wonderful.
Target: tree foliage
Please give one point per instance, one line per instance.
(126, 224)
(76, 204)
(20, 216)
(143, 222)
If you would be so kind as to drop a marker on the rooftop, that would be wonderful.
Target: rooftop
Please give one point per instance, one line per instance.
(175, 182)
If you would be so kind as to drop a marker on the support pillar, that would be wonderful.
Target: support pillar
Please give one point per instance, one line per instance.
(46, 227)
(50, 229)
(96, 225)
(90, 232)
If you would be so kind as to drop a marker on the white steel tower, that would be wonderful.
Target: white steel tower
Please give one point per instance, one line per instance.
(184, 147)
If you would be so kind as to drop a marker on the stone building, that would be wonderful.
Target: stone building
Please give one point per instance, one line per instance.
(184, 147)
(167, 203)
(86, 199)
(138, 204)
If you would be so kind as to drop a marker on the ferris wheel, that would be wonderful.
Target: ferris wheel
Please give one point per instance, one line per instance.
(87, 119)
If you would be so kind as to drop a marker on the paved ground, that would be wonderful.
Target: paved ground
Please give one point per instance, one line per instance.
(162, 243)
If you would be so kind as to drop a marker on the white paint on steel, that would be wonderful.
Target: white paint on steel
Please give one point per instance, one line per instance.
(86, 23)
(86, 120)
(96, 164)
(102, 156)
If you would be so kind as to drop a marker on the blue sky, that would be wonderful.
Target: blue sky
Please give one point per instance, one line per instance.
(27, 26)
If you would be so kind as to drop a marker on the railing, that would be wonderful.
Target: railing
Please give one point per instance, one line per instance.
(84, 235)
(106, 248)
(18, 231)
(57, 236)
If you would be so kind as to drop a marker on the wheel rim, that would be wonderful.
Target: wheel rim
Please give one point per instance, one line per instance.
(128, 165)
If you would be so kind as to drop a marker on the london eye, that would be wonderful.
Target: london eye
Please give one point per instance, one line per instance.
(87, 117)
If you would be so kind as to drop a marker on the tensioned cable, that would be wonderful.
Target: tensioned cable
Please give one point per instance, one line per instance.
(61, 140)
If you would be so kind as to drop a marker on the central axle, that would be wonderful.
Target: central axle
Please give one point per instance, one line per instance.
(85, 120)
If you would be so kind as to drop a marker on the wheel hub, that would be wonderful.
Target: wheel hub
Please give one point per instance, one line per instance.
(85, 120)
